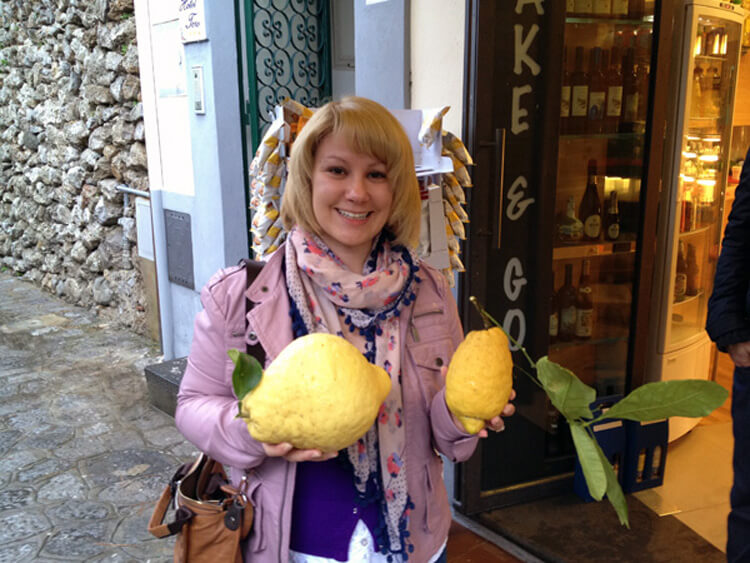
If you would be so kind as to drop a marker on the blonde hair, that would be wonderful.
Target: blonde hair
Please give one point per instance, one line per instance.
(370, 129)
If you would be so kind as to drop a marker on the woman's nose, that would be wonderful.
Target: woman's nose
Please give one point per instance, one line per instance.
(357, 188)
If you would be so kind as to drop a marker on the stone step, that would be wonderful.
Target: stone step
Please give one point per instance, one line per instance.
(163, 381)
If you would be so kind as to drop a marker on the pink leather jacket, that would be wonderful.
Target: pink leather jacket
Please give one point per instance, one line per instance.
(206, 404)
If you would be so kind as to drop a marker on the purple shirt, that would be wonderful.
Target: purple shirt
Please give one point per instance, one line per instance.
(326, 510)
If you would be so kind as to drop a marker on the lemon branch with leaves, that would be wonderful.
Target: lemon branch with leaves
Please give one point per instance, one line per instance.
(572, 397)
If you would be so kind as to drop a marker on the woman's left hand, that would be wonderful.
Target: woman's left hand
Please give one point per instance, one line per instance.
(497, 424)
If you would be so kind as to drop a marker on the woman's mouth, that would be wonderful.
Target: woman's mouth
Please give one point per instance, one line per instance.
(354, 216)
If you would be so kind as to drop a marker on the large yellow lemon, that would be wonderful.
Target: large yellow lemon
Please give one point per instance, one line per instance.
(320, 392)
(480, 378)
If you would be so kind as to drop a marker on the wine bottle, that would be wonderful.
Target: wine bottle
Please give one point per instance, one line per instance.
(579, 95)
(637, 9)
(584, 303)
(614, 93)
(692, 286)
(566, 300)
(565, 95)
(590, 210)
(612, 218)
(690, 215)
(554, 313)
(630, 100)
(641, 86)
(680, 281)
(597, 92)
(569, 227)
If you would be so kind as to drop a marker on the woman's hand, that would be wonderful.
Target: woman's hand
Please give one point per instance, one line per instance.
(497, 424)
(740, 354)
(290, 453)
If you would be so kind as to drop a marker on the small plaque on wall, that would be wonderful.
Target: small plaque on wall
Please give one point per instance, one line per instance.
(179, 248)
(192, 21)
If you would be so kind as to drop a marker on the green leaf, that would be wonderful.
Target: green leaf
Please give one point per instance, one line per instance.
(652, 401)
(247, 372)
(591, 463)
(615, 496)
(569, 394)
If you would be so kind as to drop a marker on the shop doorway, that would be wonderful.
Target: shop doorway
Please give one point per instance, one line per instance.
(534, 162)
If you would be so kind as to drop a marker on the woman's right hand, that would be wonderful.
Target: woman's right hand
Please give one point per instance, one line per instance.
(290, 453)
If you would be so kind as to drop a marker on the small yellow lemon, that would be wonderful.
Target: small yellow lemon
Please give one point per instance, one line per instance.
(480, 378)
(320, 392)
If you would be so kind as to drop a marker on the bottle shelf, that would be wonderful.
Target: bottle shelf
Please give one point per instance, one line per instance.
(647, 21)
(593, 248)
(718, 58)
(560, 346)
(703, 122)
(687, 299)
(683, 332)
(605, 136)
(695, 231)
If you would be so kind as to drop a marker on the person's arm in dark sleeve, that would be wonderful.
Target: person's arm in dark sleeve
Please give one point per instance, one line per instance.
(727, 322)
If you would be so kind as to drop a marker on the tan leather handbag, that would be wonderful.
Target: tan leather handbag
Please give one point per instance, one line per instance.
(211, 516)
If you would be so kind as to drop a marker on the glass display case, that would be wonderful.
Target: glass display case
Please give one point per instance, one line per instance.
(600, 168)
(695, 184)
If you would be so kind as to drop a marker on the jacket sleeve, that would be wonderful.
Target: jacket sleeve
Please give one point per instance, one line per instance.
(450, 440)
(727, 321)
(206, 404)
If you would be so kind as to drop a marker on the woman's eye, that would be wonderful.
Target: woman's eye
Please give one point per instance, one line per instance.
(378, 175)
(336, 170)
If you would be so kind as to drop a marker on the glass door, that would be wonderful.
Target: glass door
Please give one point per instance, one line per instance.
(604, 113)
(560, 125)
(703, 170)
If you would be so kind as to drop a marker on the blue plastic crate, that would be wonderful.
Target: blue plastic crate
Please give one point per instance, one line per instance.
(610, 434)
(646, 457)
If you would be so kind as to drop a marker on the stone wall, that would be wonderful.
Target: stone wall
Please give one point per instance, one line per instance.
(71, 134)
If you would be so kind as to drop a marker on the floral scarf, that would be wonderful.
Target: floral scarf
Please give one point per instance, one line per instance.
(364, 308)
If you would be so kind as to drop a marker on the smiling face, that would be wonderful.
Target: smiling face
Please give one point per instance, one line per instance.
(351, 199)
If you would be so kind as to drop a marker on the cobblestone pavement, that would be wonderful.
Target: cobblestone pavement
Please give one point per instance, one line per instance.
(83, 454)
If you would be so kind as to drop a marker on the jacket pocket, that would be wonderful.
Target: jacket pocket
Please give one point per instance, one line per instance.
(254, 493)
(424, 320)
(429, 357)
(436, 503)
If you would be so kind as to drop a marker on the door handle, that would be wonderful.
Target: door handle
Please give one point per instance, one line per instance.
(500, 175)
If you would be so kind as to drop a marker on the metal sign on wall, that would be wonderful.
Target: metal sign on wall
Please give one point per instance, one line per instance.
(192, 21)
(179, 248)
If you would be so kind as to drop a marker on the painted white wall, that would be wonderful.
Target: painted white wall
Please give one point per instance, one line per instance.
(381, 51)
(195, 160)
(437, 58)
(342, 83)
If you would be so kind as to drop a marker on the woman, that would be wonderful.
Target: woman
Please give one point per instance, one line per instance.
(352, 208)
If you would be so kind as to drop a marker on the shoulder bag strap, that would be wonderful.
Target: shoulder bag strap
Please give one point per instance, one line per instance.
(253, 269)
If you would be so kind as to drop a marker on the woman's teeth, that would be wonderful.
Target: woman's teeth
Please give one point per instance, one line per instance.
(350, 215)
